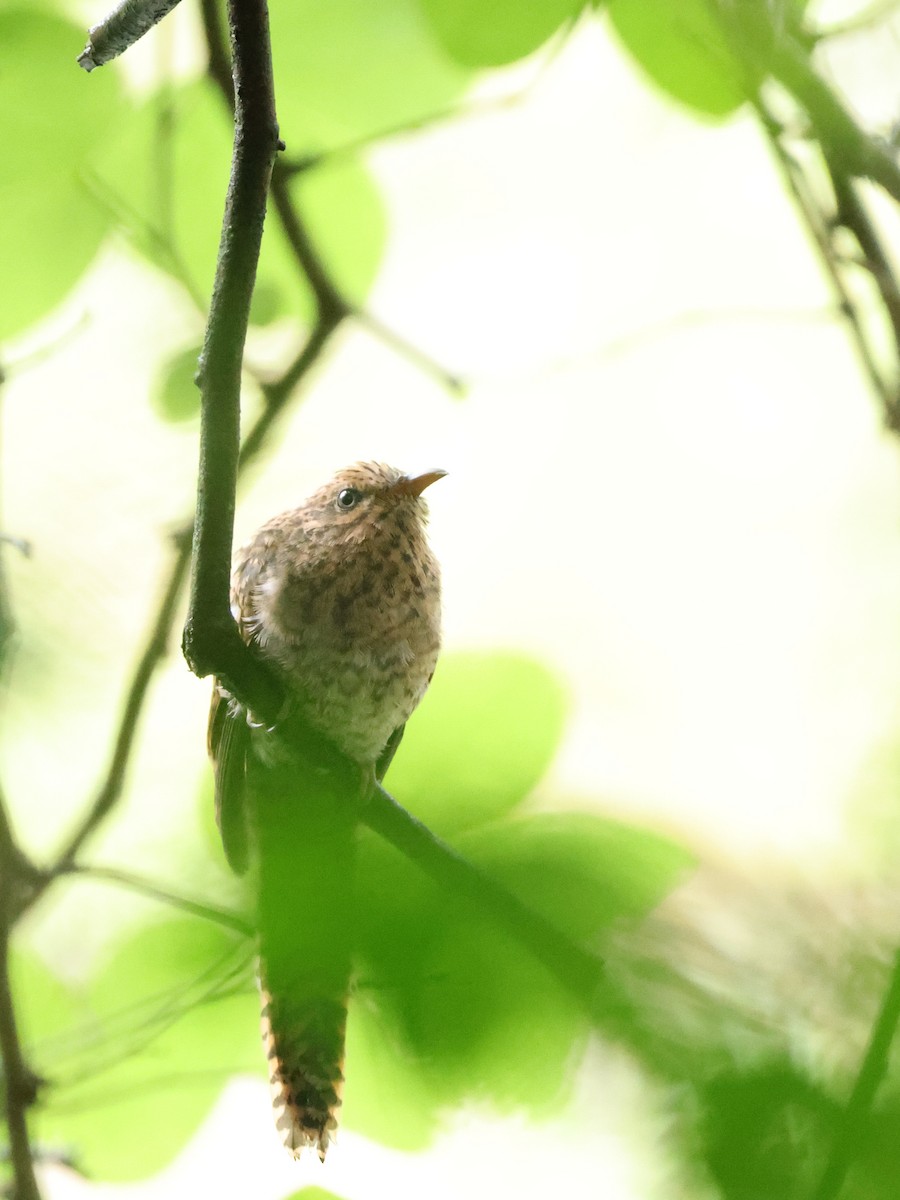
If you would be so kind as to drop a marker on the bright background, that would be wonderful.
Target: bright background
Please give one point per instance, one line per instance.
(668, 482)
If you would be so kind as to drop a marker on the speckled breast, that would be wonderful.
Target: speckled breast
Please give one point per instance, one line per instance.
(364, 641)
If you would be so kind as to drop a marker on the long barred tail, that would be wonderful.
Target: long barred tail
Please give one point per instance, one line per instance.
(304, 1044)
(306, 841)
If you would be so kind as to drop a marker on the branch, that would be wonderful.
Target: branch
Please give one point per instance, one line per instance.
(872, 1072)
(875, 14)
(579, 971)
(276, 395)
(155, 649)
(839, 134)
(763, 48)
(852, 214)
(575, 968)
(817, 225)
(20, 1085)
(211, 641)
(123, 27)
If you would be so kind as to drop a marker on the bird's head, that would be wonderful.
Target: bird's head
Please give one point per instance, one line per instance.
(367, 498)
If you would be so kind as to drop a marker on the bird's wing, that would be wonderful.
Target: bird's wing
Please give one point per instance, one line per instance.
(228, 734)
(386, 756)
(228, 737)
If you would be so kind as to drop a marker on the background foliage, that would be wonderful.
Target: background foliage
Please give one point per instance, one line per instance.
(137, 1023)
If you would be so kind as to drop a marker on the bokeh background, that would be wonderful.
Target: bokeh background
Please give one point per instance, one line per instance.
(670, 538)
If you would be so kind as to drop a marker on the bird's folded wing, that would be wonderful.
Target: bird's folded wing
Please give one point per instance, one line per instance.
(228, 738)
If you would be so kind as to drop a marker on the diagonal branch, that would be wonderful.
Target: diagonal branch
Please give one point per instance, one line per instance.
(226, 918)
(155, 650)
(123, 27)
(579, 971)
(872, 1071)
(853, 215)
(576, 968)
(818, 226)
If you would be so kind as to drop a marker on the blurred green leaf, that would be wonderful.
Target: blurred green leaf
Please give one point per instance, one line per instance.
(177, 395)
(175, 1016)
(685, 51)
(166, 178)
(479, 35)
(350, 69)
(46, 1009)
(767, 1133)
(482, 738)
(460, 1000)
(387, 1095)
(581, 871)
(344, 214)
(53, 118)
(313, 1193)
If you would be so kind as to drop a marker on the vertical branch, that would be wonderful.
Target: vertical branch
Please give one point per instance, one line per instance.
(211, 640)
(20, 1085)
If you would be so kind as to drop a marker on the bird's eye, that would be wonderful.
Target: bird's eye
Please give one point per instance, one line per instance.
(348, 498)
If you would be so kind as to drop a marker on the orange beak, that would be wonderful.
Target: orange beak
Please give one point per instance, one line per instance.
(417, 485)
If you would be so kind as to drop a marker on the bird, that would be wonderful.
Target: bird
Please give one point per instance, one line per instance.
(342, 599)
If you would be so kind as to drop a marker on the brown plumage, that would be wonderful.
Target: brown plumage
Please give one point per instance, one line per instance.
(342, 597)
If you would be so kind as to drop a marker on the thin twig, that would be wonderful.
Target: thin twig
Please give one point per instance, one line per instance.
(875, 14)
(408, 350)
(852, 214)
(871, 1073)
(817, 225)
(276, 394)
(155, 649)
(121, 29)
(146, 887)
(775, 52)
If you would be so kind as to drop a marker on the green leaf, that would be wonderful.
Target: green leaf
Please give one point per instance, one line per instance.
(479, 35)
(170, 1028)
(167, 176)
(313, 1193)
(683, 47)
(46, 1010)
(457, 998)
(344, 215)
(580, 871)
(482, 738)
(177, 396)
(387, 1096)
(350, 69)
(53, 118)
